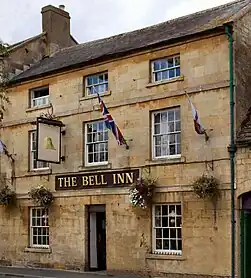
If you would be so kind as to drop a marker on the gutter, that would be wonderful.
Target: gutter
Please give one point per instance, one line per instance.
(232, 145)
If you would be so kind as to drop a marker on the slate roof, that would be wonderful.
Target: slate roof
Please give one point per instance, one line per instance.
(163, 33)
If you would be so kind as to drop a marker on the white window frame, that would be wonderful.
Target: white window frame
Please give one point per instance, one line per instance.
(43, 218)
(87, 143)
(166, 251)
(35, 101)
(32, 154)
(173, 156)
(88, 87)
(165, 69)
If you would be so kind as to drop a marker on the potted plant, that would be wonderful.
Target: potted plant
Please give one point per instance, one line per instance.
(7, 196)
(42, 196)
(206, 187)
(141, 192)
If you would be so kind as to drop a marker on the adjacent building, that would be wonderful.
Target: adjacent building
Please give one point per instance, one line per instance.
(143, 78)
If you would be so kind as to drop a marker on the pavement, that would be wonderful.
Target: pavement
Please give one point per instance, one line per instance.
(14, 272)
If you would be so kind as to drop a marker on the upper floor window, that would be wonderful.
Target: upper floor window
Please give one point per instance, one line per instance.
(167, 223)
(166, 131)
(39, 227)
(165, 69)
(96, 143)
(97, 83)
(39, 97)
(34, 164)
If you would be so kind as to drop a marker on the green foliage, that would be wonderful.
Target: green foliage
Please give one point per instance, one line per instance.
(7, 196)
(206, 187)
(41, 196)
(141, 192)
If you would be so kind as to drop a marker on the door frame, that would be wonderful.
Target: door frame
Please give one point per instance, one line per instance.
(93, 208)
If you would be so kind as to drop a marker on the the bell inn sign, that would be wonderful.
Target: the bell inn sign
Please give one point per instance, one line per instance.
(89, 180)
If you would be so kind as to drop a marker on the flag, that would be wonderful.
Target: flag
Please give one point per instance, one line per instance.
(197, 124)
(3, 149)
(110, 123)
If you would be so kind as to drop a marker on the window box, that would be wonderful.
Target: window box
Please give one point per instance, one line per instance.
(166, 134)
(96, 144)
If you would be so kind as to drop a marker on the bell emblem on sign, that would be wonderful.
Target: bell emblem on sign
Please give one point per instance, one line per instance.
(48, 143)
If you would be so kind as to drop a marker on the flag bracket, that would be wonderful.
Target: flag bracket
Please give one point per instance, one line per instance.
(206, 136)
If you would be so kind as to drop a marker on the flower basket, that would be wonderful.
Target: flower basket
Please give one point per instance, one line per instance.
(7, 196)
(141, 192)
(42, 196)
(206, 187)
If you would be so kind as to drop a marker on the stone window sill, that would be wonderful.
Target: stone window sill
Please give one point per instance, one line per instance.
(38, 172)
(108, 93)
(169, 160)
(165, 257)
(88, 168)
(37, 250)
(37, 108)
(149, 85)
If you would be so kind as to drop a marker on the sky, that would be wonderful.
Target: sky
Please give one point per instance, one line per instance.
(94, 19)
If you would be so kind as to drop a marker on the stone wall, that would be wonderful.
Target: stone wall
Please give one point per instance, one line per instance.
(204, 68)
(205, 235)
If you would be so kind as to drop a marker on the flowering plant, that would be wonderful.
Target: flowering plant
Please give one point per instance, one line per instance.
(141, 192)
(206, 187)
(7, 196)
(42, 196)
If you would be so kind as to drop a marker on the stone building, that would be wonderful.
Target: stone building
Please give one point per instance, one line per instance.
(55, 35)
(142, 77)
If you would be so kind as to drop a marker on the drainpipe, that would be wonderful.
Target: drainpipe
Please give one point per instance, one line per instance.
(232, 145)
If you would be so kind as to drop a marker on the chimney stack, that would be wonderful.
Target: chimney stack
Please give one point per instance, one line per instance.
(56, 24)
(62, 7)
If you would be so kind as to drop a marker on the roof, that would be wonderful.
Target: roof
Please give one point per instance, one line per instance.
(156, 35)
(21, 43)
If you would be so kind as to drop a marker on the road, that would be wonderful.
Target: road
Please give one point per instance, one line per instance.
(15, 272)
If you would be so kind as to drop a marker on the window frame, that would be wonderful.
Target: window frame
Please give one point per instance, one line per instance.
(166, 251)
(32, 153)
(166, 69)
(32, 98)
(31, 228)
(173, 156)
(86, 145)
(102, 83)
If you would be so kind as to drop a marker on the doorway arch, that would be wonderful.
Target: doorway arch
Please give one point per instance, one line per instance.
(245, 234)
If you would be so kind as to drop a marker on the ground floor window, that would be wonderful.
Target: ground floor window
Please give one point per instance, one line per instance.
(39, 227)
(167, 222)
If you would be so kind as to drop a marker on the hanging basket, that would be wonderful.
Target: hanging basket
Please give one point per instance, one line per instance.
(141, 192)
(42, 196)
(206, 187)
(7, 196)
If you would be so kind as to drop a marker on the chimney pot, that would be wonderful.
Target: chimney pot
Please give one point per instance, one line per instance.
(62, 7)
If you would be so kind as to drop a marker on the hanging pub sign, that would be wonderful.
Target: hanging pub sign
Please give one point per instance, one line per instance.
(96, 179)
(48, 146)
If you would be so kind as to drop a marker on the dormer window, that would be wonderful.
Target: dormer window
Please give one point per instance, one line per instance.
(39, 96)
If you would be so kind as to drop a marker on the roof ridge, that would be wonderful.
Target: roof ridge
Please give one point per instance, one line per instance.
(152, 26)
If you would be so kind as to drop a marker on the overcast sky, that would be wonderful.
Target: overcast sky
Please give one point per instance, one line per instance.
(93, 19)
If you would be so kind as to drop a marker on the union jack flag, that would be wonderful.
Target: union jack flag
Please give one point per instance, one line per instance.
(110, 123)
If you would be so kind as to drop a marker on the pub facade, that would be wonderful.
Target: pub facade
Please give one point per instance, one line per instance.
(91, 223)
